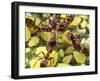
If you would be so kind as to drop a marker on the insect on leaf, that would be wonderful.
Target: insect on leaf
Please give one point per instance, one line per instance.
(54, 55)
(41, 49)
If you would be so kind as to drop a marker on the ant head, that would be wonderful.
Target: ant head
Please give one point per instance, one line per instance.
(52, 42)
(71, 36)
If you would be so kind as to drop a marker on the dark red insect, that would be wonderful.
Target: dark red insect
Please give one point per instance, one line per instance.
(29, 22)
(75, 43)
(70, 18)
(44, 28)
(62, 26)
(54, 20)
(46, 57)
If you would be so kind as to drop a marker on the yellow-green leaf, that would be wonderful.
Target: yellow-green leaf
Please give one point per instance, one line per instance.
(69, 50)
(41, 49)
(61, 52)
(28, 34)
(67, 59)
(34, 41)
(35, 63)
(46, 36)
(76, 21)
(79, 57)
(84, 17)
(84, 24)
(37, 21)
(27, 50)
(62, 65)
(65, 39)
(63, 15)
(54, 55)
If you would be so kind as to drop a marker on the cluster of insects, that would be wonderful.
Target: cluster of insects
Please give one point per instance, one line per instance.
(54, 40)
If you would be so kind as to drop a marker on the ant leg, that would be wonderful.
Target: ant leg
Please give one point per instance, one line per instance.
(39, 58)
(52, 60)
(42, 53)
(36, 61)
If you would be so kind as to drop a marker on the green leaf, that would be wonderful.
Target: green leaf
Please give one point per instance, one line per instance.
(31, 54)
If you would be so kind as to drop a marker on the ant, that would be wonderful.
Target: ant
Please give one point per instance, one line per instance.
(76, 44)
(44, 60)
(54, 24)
